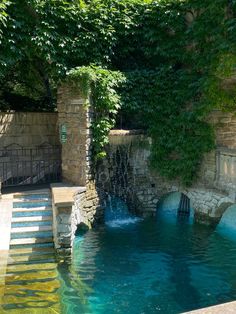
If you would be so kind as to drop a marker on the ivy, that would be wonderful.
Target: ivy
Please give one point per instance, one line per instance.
(101, 86)
(177, 59)
(175, 119)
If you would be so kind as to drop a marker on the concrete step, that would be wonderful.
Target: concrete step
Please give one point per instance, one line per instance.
(33, 192)
(32, 234)
(27, 209)
(36, 287)
(32, 197)
(17, 259)
(31, 204)
(30, 276)
(30, 229)
(34, 299)
(31, 219)
(25, 241)
(32, 267)
(31, 250)
(29, 212)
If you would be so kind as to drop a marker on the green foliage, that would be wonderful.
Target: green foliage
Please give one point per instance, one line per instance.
(3, 14)
(174, 117)
(178, 58)
(101, 85)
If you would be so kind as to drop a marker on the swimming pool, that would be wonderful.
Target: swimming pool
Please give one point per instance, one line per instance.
(165, 264)
(148, 266)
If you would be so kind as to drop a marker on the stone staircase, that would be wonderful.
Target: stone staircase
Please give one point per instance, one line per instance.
(31, 280)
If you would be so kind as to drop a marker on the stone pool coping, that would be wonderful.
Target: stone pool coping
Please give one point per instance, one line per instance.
(226, 308)
(63, 194)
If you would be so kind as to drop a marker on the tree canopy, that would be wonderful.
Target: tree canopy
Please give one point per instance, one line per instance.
(178, 58)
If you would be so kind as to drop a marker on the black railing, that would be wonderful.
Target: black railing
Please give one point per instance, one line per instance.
(24, 166)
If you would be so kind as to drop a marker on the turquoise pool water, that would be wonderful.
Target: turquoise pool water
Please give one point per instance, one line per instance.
(166, 264)
(148, 266)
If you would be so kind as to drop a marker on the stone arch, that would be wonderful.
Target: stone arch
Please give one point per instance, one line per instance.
(227, 222)
(173, 198)
(176, 202)
(221, 209)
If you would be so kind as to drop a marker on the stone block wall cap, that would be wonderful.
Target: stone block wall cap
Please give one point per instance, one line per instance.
(63, 194)
(61, 204)
(126, 132)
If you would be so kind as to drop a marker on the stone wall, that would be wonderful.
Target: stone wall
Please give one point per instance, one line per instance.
(127, 174)
(73, 207)
(66, 216)
(89, 205)
(126, 171)
(29, 147)
(28, 129)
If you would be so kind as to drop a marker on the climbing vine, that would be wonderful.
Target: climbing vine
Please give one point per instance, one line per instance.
(101, 86)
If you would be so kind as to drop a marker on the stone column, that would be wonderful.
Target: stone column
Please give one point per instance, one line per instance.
(74, 116)
(74, 119)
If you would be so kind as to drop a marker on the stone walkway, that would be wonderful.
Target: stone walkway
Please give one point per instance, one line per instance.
(5, 234)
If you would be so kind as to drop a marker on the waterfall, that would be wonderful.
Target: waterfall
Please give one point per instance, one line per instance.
(227, 224)
(117, 213)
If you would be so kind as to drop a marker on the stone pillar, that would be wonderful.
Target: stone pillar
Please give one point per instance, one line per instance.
(74, 124)
(78, 208)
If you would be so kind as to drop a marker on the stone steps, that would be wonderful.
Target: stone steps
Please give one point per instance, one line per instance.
(31, 219)
(29, 276)
(31, 250)
(31, 267)
(31, 279)
(31, 204)
(24, 241)
(23, 230)
(36, 210)
(32, 198)
(48, 286)
(17, 259)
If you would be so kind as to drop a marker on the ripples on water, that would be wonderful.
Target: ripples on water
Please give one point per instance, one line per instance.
(146, 266)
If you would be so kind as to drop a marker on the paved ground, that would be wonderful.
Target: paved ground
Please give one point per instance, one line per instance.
(5, 221)
(5, 233)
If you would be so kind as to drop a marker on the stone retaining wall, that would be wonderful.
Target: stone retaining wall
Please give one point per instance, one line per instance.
(28, 129)
(66, 215)
(127, 174)
(29, 143)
